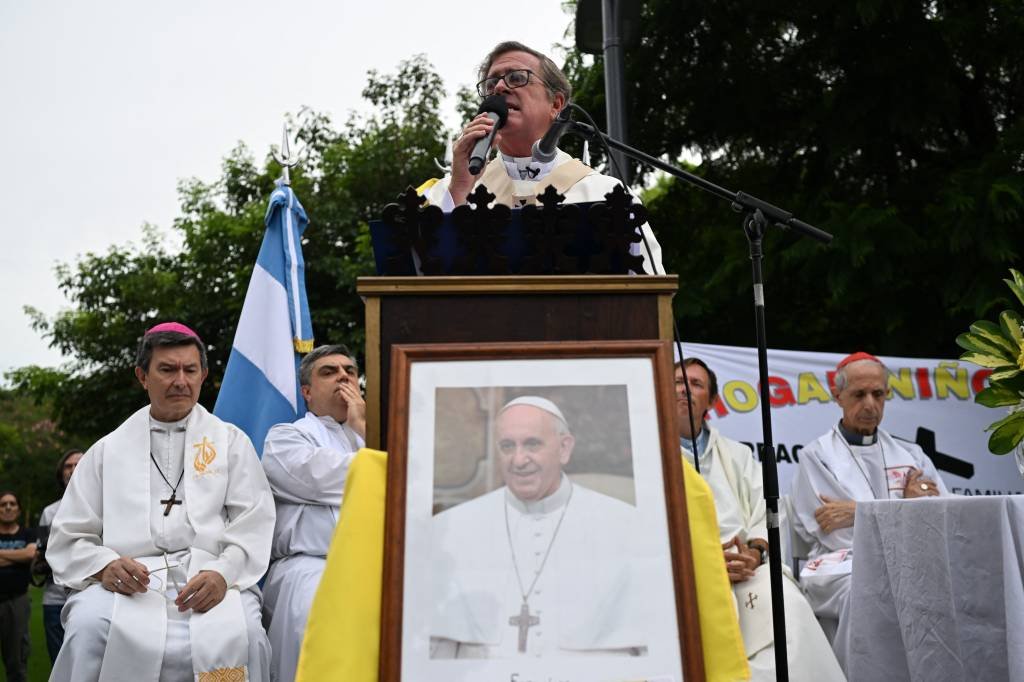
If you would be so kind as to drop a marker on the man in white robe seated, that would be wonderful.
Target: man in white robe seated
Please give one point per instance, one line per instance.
(164, 532)
(536, 90)
(735, 479)
(307, 463)
(540, 566)
(855, 460)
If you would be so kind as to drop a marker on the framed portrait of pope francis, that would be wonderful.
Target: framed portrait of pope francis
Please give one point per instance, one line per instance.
(536, 524)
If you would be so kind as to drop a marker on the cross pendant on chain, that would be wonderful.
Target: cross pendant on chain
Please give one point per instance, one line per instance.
(524, 621)
(168, 503)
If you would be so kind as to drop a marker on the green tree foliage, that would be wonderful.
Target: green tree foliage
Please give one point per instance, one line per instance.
(894, 125)
(346, 176)
(30, 445)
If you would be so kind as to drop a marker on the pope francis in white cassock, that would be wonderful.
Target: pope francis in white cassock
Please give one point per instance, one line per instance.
(541, 566)
(856, 460)
(307, 464)
(535, 90)
(736, 483)
(163, 533)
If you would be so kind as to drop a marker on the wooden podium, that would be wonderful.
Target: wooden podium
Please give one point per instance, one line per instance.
(493, 309)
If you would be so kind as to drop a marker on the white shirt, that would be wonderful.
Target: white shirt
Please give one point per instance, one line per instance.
(167, 444)
(307, 464)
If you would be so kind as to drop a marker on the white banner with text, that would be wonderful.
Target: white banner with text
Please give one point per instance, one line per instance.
(931, 403)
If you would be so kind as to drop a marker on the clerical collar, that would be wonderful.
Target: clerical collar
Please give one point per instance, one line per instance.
(858, 438)
(551, 503)
(702, 441)
(525, 168)
(157, 425)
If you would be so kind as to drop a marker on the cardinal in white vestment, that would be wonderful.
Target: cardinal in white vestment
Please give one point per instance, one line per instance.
(856, 460)
(540, 566)
(307, 463)
(734, 476)
(162, 535)
(535, 90)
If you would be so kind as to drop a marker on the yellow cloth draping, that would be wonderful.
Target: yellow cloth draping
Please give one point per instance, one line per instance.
(342, 639)
(724, 656)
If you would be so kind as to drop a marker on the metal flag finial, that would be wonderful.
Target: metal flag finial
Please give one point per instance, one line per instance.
(446, 167)
(284, 157)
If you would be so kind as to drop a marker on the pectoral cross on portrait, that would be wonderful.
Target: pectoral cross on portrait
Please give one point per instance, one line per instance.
(524, 621)
(750, 599)
(170, 502)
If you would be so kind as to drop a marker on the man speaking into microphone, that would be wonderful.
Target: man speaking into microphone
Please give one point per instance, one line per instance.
(535, 91)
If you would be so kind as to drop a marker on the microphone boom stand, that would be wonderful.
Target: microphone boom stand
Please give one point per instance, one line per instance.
(757, 216)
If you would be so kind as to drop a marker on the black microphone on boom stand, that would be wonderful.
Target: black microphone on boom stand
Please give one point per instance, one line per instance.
(546, 148)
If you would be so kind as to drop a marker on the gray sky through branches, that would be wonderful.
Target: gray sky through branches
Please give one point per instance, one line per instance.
(108, 104)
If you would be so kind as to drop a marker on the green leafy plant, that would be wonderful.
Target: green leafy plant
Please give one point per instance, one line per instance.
(1000, 347)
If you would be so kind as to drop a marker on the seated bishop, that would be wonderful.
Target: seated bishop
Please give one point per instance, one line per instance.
(162, 535)
(854, 461)
(307, 464)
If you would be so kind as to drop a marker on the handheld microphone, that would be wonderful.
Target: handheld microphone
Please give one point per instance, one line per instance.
(496, 109)
(546, 148)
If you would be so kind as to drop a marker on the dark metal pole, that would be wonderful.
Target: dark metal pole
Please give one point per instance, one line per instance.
(754, 225)
(758, 215)
(614, 89)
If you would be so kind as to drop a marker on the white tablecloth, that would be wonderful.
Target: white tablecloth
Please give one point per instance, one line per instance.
(937, 591)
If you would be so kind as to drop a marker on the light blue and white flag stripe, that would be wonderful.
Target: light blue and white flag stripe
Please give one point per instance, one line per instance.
(260, 386)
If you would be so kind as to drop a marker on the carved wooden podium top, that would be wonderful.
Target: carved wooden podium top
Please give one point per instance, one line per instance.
(478, 238)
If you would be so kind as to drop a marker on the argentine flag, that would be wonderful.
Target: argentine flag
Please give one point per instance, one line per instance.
(260, 386)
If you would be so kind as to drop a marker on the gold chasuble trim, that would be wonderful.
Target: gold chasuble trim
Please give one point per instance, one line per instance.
(224, 675)
(427, 185)
(562, 178)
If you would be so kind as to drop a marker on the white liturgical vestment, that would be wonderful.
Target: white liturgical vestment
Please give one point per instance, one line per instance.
(736, 483)
(584, 186)
(832, 466)
(115, 506)
(307, 464)
(584, 597)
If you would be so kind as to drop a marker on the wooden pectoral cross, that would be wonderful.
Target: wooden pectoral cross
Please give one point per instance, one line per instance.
(750, 599)
(524, 621)
(170, 502)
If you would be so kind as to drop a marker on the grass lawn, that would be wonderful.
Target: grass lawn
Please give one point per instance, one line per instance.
(38, 659)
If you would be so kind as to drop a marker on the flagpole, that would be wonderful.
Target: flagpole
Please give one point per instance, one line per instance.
(285, 157)
(260, 386)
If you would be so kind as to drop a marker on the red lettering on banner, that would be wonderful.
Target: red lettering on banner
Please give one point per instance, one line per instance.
(719, 407)
(978, 380)
(780, 394)
(924, 389)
